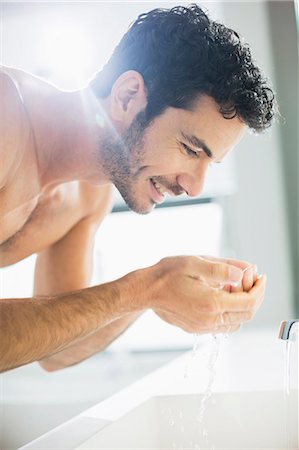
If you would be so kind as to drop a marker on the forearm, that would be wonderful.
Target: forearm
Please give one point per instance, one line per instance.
(87, 347)
(48, 281)
(32, 329)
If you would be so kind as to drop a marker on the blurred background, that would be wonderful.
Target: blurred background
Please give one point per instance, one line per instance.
(248, 210)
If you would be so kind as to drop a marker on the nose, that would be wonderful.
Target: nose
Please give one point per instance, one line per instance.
(193, 182)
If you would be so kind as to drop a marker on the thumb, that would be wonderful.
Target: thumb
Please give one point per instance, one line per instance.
(220, 272)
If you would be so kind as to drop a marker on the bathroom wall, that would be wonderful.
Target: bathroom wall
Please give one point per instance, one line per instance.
(284, 37)
(257, 219)
(36, 36)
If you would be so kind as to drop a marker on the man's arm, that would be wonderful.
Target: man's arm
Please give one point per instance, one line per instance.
(95, 343)
(46, 327)
(177, 289)
(34, 328)
(64, 267)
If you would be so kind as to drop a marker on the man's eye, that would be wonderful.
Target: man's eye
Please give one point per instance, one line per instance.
(189, 151)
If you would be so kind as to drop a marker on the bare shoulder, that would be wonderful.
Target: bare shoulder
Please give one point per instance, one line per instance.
(25, 81)
(96, 200)
(13, 125)
(20, 94)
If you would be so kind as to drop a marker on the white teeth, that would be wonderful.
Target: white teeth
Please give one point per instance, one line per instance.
(159, 188)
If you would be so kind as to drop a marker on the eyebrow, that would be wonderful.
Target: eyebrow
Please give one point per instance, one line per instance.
(199, 143)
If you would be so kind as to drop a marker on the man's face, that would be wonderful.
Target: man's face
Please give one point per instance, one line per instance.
(171, 155)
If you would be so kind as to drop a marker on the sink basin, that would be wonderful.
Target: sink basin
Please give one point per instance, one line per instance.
(239, 420)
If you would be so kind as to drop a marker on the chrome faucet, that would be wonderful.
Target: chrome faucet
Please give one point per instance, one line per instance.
(285, 329)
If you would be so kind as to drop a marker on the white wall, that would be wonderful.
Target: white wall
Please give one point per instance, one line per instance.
(37, 36)
(256, 217)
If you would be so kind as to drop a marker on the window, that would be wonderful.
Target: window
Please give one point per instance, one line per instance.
(128, 241)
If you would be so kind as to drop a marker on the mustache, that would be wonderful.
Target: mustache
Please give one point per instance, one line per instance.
(174, 188)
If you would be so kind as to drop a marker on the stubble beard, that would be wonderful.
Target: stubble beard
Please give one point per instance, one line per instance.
(121, 159)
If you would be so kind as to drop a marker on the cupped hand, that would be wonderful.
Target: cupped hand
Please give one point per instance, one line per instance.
(184, 291)
(249, 274)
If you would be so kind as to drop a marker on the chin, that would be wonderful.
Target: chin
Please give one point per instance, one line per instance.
(137, 203)
(140, 208)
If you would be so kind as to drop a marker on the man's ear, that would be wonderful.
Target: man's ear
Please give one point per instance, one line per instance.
(128, 97)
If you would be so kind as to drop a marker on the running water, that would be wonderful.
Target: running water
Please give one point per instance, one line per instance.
(213, 353)
(213, 357)
(194, 354)
(287, 390)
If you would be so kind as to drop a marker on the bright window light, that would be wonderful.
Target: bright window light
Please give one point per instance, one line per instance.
(67, 49)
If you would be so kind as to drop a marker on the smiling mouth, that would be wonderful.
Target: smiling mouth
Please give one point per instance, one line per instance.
(161, 190)
(159, 187)
(157, 190)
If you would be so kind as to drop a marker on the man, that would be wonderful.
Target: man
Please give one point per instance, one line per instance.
(175, 97)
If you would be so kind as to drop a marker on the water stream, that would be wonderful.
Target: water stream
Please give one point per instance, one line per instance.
(287, 393)
(213, 348)
(213, 357)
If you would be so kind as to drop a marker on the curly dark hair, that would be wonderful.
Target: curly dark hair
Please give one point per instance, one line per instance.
(181, 53)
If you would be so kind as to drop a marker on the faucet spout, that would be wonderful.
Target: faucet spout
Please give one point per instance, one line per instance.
(285, 328)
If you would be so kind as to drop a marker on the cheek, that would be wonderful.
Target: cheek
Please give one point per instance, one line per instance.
(161, 157)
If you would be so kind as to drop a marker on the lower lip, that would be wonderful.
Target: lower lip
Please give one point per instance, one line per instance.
(156, 196)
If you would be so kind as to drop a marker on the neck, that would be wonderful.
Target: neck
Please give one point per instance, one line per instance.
(74, 132)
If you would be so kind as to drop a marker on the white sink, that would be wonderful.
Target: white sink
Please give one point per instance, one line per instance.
(246, 410)
(244, 420)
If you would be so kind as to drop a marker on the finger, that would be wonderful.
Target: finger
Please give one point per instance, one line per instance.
(247, 281)
(227, 287)
(244, 265)
(234, 262)
(219, 272)
(255, 273)
(237, 287)
(260, 299)
(242, 301)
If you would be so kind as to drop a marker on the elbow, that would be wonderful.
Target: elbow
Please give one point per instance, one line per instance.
(51, 366)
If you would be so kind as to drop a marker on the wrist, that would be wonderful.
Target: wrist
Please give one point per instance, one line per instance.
(134, 290)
